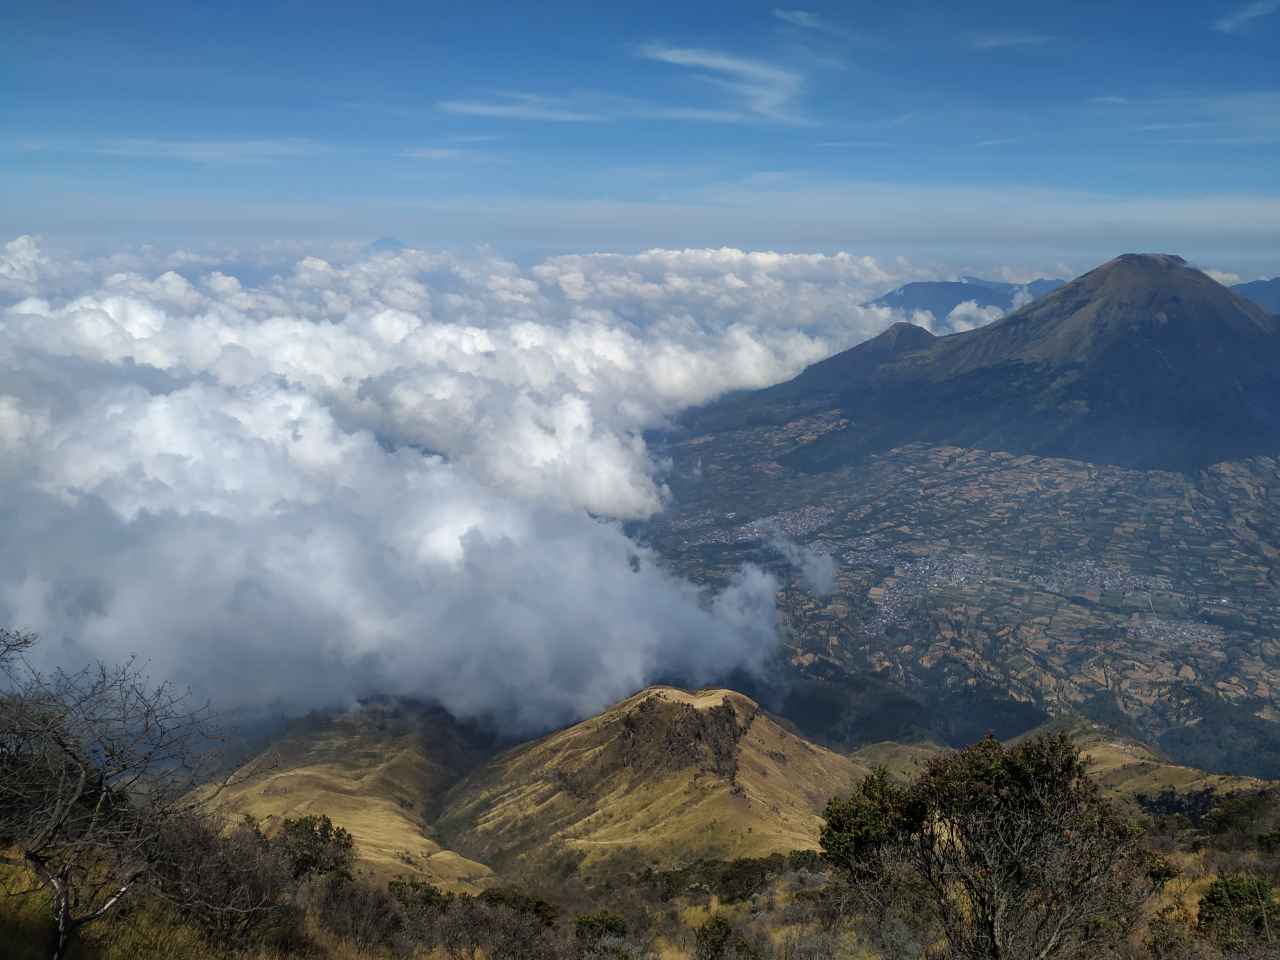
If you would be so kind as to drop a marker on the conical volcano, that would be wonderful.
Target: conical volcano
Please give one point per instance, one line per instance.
(1144, 362)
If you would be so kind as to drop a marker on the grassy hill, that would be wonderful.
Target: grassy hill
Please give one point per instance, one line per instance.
(1125, 766)
(904, 761)
(662, 778)
(666, 779)
(377, 773)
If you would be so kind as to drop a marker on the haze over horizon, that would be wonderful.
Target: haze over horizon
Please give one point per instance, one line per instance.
(289, 464)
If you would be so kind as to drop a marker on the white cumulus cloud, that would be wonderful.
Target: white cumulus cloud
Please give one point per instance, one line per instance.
(400, 472)
(968, 316)
(1226, 279)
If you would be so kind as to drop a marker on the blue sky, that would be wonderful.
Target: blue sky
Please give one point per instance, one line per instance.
(988, 129)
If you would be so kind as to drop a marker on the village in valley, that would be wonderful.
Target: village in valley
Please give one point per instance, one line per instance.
(1050, 581)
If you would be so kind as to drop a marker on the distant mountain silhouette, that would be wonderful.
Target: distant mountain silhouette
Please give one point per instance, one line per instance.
(940, 298)
(1145, 362)
(1036, 288)
(1265, 293)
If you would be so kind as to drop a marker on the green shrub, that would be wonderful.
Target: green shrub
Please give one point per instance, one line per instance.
(738, 879)
(602, 923)
(314, 847)
(1236, 912)
(521, 902)
(667, 884)
(810, 860)
(1193, 806)
(1246, 814)
(416, 896)
(1171, 823)
(1015, 852)
(744, 949)
(711, 939)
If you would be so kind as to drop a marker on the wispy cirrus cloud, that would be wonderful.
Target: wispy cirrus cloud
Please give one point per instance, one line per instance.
(212, 152)
(583, 108)
(764, 88)
(523, 106)
(1254, 10)
(763, 91)
(810, 21)
(1241, 119)
(767, 89)
(690, 113)
(998, 39)
(801, 18)
(442, 153)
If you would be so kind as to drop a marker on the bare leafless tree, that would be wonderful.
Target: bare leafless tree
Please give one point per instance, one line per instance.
(94, 765)
(226, 877)
(12, 645)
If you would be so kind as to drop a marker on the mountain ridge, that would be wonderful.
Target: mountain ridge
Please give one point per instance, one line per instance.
(941, 298)
(665, 776)
(661, 779)
(1144, 362)
(1265, 293)
(376, 771)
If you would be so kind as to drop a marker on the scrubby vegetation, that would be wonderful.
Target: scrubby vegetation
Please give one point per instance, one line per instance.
(1210, 894)
(989, 852)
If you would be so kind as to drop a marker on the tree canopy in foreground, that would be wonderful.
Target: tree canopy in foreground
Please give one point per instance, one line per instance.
(992, 853)
(97, 773)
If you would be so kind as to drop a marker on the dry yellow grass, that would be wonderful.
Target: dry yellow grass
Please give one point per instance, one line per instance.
(376, 777)
(1123, 766)
(664, 777)
(903, 761)
(615, 790)
(148, 930)
(1126, 767)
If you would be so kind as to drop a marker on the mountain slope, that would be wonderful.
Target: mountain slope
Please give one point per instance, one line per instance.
(664, 777)
(377, 773)
(1144, 362)
(1125, 767)
(1265, 293)
(1129, 769)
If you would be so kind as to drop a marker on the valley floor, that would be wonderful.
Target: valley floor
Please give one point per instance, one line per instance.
(1145, 599)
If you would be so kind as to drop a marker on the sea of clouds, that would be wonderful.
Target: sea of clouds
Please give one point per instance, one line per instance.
(395, 472)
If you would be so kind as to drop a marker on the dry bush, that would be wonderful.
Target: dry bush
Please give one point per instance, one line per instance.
(362, 913)
(1004, 853)
(230, 881)
(93, 767)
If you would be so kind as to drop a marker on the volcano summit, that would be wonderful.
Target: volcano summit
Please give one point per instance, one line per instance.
(1145, 362)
